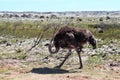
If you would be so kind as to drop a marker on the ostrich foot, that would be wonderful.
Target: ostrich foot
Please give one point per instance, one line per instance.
(57, 67)
(80, 67)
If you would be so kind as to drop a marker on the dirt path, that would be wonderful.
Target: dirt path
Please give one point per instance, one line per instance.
(60, 74)
(33, 76)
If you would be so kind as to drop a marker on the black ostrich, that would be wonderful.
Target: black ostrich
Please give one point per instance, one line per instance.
(71, 38)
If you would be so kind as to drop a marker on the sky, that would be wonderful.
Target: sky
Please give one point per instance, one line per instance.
(59, 5)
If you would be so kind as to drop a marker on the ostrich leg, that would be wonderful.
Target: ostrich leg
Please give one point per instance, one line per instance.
(68, 54)
(80, 60)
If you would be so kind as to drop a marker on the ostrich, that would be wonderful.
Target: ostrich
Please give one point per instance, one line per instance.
(71, 38)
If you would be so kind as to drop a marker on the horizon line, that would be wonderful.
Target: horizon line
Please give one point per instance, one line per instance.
(69, 11)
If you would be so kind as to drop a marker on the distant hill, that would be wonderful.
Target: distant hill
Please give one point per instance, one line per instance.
(68, 13)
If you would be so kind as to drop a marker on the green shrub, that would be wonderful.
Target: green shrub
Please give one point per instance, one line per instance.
(19, 50)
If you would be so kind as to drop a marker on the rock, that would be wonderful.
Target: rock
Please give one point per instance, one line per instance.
(8, 44)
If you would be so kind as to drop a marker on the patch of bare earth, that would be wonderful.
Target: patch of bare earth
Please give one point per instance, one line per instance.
(16, 71)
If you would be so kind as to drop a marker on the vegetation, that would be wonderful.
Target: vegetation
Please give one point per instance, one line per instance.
(101, 58)
(29, 29)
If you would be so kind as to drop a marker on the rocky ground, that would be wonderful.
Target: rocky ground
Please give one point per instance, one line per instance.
(39, 65)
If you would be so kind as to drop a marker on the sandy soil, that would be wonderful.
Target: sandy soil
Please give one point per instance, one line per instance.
(45, 73)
